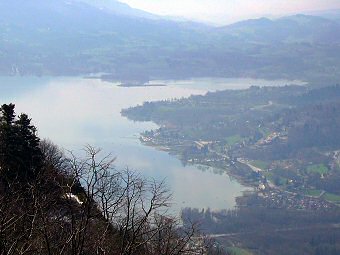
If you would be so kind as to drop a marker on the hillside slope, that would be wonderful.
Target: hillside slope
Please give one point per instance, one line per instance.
(72, 38)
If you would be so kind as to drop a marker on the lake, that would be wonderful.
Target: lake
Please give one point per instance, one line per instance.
(73, 112)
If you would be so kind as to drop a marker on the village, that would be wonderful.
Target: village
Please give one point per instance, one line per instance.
(209, 153)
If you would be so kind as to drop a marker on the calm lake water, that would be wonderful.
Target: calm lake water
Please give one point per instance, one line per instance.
(73, 112)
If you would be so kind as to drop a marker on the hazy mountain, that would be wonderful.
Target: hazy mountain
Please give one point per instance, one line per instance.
(328, 14)
(292, 29)
(73, 37)
(119, 8)
(72, 15)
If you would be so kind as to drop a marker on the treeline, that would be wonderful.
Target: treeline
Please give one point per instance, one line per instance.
(96, 41)
(311, 117)
(51, 203)
(291, 129)
(306, 127)
(268, 231)
(315, 125)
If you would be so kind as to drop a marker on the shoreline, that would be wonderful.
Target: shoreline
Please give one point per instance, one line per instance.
(240, 179)
(269, 193)
(140, 85)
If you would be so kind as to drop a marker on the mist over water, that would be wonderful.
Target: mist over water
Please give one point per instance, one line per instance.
(73, 112)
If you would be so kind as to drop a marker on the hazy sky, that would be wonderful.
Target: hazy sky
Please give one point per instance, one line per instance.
(226, 11)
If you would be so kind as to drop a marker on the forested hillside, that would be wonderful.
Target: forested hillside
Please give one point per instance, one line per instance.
(51, 203)
(296, 117)
(282, 141)
(76, 38)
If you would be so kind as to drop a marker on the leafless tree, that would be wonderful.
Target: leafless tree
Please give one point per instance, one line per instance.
(84, 205)
(135, 209)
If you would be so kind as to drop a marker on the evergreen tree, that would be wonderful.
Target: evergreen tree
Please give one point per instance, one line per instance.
(29, 150)
(7, 141)
(20, 155)
(8, 114)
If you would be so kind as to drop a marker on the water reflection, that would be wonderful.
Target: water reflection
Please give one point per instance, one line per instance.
(73, 112)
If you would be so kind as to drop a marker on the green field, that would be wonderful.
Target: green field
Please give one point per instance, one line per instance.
(331, 197)
(313, 192)
(260, 164)
(318, 169)
(232, 140)
(237, 251)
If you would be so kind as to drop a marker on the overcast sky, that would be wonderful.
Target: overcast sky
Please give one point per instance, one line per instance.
(227, 11)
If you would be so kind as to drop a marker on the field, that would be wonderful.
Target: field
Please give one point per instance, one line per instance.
(313, 192)
(237, 251)
(331, 197)
(318, 169)
(232, 140)
(260, 164)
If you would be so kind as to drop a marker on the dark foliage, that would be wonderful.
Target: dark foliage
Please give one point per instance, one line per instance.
(52, 204)
(20, 155)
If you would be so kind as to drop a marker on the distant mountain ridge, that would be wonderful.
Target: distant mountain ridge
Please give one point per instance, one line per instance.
(333, 14)
(120, 8)
(297, 28)
(75, 37)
